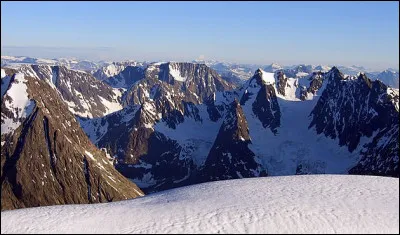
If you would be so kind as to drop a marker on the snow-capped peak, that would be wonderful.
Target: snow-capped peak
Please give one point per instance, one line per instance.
(276, 66)
(273, 67)
(112, 69)
(267, 77)
(322, 68)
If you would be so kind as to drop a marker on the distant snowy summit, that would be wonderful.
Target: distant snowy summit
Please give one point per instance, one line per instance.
(70, 63)
(16, 61)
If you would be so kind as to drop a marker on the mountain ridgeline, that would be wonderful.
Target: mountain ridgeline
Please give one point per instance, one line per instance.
(165, 125)
(183, 123)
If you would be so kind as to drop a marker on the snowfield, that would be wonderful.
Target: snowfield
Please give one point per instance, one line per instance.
(289, 204)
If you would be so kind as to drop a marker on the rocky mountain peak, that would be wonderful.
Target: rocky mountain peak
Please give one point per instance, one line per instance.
(235, 124)
(257, 77)
(266, 107)
(47, 159)
(364, 79)
(335, 74)
(230, 156)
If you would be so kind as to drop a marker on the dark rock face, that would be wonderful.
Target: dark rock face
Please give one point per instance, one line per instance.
(127, 136)
(265, 105)
(351, 109)
(230, 156)
(282, 82)
(381, 156)
(161, 163)
(266, 108)
(48, 159)
(6, 80)
(126, 78)
(316, 82)
(213, 113)
(317, 79)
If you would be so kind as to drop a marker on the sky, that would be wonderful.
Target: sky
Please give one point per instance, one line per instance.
(332, 33)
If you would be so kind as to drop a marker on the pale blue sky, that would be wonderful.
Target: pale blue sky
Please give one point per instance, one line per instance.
(346, 33)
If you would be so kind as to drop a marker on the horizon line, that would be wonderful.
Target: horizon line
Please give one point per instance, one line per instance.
(180, 61)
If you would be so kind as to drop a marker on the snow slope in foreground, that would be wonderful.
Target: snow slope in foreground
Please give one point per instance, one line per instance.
(288, 204)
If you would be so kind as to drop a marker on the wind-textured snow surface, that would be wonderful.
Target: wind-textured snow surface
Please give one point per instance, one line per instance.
(288, 204)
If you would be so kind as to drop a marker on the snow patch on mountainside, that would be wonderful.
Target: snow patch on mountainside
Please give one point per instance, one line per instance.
(112, 70)
(175, 73)
(291, 90)
(94, 129)
(301, 74)
(393, 93)
(18, 103)
(110, 106)
(267, 77)
(292, 204)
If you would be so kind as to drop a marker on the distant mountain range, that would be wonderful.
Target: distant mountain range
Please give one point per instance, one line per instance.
(238, 73)
(232, 72)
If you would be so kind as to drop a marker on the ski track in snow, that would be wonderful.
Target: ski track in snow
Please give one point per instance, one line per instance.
(288, 204)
